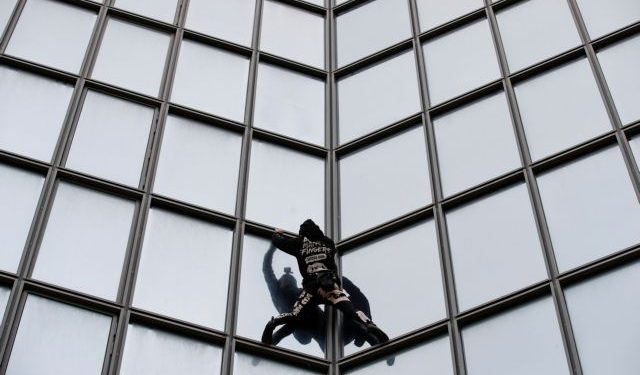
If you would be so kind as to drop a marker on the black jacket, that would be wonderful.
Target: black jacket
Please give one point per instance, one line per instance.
(313, 257)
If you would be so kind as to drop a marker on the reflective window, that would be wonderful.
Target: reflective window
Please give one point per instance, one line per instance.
(53, 34)
(4, 299)
(369, 177)
(635, 147)
(290, 103)
(199, 163)
(411, 264)
(536, 29)
(590, 207)
(379, 96)
(598, 307)
(6, 8)
(85, 241)
(20, 94)
(164, 10)
(434, 13)
(371, 28)
(111, 138)
(286, 187)
(475, 143)
(305, 45)
(489, 261)
(230, 20)
(132, 57)
(246, 364)
(603, 17)
(561, 108)
(623, 78)
(268, 288)
(149, 351)
(56, 338)
(460, 61)
(211, 80)
(19, 193)
(525, 340)
(197, 255)
(432, 358)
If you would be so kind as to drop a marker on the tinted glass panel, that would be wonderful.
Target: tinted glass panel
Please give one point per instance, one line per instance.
(410, 278)
(290, 103)
(285, 187)
(602, 17)
(261, 296)
(370, 28)
(489, 261)
(163, 10)
(19, 193)
(149, 351)
(85, 241)
(55, 338)
(561, 108)
(230, 20)
(378, 96)
(197, 255)
(475, 143)
(370, 177)
(623, 78)
(460, 61)
(525, 341)
(635, 147)
(4, 299)
(536, 29)
(305, 45)
(590, 207)
(597, 308)
(211, 80)
(434, 13)
(199, 164)
(132, 57)
(245, 364)
(111, 138)
(53, 34)
(6, 8)
(23, 130)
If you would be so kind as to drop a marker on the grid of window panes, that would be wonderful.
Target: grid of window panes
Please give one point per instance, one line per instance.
(475, 160)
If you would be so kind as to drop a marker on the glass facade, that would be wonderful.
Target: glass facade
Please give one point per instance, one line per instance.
(477, 163)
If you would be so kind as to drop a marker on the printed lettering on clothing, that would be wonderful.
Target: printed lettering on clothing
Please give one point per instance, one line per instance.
(315, 258)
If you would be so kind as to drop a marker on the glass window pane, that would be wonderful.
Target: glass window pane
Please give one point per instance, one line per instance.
(53, 34)
(111, 138)
(230, 20)
(590, 207)
(246, 364)
(164, 10)
(56, 338)
(132, 57)
(305, 45)
(149, 351)
(602, 17)
(211, 80)
(199, 164)
(598, 308)
(6, 8)
(525, 341)
(488, 260)
(261, 297)
(369, 177)
(635, 148)
(19, 193)
(371, 28)
(378, 96)
(460, 61)
(286, 187)
(420, 279)
(197, 255)
(561, 108)
(24, 130)
(290, 103)
(4, 299)
(434, 13)
(85, 241)
(475, 143)
(623, 77)
(536, 29)
(432, 358)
